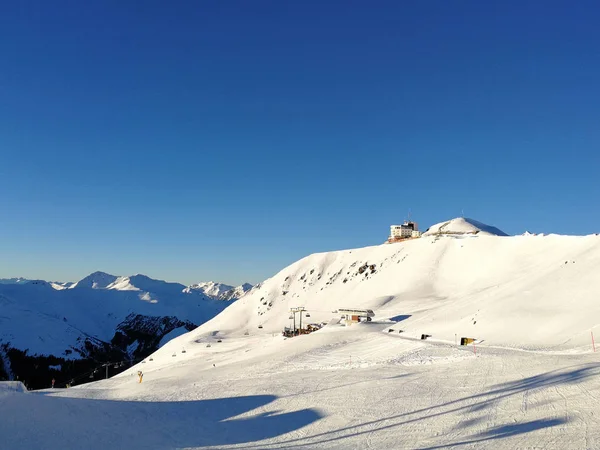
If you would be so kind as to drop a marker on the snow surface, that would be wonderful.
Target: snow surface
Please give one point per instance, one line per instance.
(12, 386)
(462, 225)
(173, 334)
(336, 389)
(530, 381)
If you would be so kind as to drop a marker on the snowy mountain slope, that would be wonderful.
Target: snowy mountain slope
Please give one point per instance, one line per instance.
(103, 316)
(236, 292)
(37, 317)
(59, 286)
(464, 226)
(220, 291)
(96, 280)
(211, 288)
(14, 280)
(522, 291)
(328, 390)
(151, 289)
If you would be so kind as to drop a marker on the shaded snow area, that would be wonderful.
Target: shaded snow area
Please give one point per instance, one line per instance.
(12, 386)
(173, 334)
(530, 381)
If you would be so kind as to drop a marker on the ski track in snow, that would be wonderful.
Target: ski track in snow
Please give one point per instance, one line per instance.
(447, 397)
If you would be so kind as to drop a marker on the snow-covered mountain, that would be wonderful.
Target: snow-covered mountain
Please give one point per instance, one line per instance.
(220, 291)
(96, 280)
(210, 288)
(98, 314)
(14, 280)
(55, 284)
(236, 292)
(507, 290)
(463, 226)
(59, 285)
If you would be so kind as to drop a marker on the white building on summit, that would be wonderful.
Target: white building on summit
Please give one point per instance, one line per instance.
(405, 231)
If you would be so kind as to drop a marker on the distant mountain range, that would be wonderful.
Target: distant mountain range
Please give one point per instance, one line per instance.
(53, 329)
(102, 280)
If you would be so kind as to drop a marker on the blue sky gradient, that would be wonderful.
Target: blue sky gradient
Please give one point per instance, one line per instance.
(225, 140)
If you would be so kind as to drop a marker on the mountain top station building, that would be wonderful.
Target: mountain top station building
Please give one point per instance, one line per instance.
(408, 230)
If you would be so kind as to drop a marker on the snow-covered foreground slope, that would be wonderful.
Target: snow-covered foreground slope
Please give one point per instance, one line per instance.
(338, 388)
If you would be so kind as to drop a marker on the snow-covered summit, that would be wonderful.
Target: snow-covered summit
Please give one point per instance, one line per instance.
(463, 226)
(60, 285)
(17, 280)
(236, 292)
(150, 288)
(210, 288)
(141, 282)
(96, 280)
(219, 291)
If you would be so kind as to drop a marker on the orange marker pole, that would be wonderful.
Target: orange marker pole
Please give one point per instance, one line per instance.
(593, 344)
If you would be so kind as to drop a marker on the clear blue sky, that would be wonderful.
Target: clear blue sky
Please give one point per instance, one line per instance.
(224, 140)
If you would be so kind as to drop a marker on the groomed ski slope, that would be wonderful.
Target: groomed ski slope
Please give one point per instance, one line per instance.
(336, 389)
(530, 382)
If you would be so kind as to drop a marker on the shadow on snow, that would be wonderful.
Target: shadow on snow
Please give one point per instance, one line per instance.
(478, 402)
(400, 318)
(53, 422)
